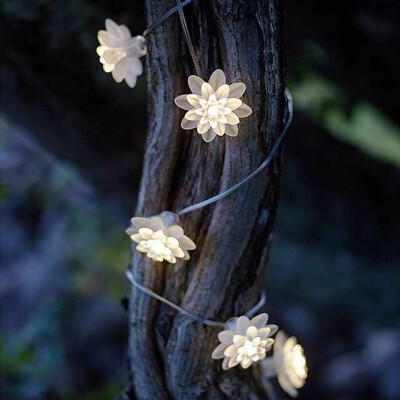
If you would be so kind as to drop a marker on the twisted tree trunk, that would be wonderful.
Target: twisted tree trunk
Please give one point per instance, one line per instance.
(170, 354)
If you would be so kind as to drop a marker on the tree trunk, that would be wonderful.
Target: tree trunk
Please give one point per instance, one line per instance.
(169, 353)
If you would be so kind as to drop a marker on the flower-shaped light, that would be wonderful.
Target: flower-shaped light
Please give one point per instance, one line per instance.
(160, 237)
(214, 108)
(120, 52)
(288, 363)
(244, 341)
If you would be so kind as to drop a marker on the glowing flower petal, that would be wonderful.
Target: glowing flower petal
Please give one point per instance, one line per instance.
(182, 102)
(160, 237)
(288, 363)
(241, 342)
(217, 79)
(237, 89)
(119, 52)
(214, 105)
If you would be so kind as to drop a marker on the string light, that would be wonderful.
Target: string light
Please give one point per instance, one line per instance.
(160, 237)
(244, 341)
(120, 52)
(288, 364)
(213, 107)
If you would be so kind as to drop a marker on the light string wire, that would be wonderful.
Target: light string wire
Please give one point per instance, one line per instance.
(270, 390)
(189, 42)
(172, 11)
(204, 203)
(131, 278)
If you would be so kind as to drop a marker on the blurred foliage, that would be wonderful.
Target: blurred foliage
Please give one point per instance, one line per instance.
(359, 124)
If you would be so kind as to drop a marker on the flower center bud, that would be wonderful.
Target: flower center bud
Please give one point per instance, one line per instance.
(213, 111)
(249, 348)
(156, 246)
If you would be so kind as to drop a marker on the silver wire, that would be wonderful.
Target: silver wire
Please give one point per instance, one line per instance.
(164, 17)
(204, 203)
(189, 42)
(189, 314)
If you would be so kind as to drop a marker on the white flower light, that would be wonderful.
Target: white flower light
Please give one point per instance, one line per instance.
(214, 108)
(244, 341)
(120, 52)
(160, 238)
(288, 363)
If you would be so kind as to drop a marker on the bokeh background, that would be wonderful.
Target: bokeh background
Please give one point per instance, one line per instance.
(71, 152)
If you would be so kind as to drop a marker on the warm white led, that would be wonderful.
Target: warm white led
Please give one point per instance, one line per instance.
(288, 363)
(120, 52)
(160, 237)
(214, 107)
(244, 341)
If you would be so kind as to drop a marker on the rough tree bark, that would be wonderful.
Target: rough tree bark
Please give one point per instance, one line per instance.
(170, 354)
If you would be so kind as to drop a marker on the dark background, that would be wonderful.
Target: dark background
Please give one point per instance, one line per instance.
(71, 151)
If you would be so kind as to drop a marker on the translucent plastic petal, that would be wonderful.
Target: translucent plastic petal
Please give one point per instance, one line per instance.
(108, 40)
(126, 33)
(187, 125)
(172, 243)
(220, 129)
(237, 89)
(113, 28)
(193, 99)
(203, 128)
(232, 362)
(259, 321)
(219, 351)
(231, 130)
(217, 79)
(274, 328)
(195, 83)
(135, 66)
(233, 104)
(108, 67)
(287, 386)
(264, 332)
(146, 233)
(206, 90)
(230, 351)
(118, 72)
(182, 102)
(140, 222)
(246, 363)
(226, 336)
(112, 56)
(238, 340)
(232, 118)
(243, 111)
(242, 324)
(131, 230)
(209, 136)
(178, 252)
(186, 254)
(130, 78)
(156, 223)
(192, 116)
(186, 243)
(222, 92)
(175, 231)
(100, 50)
(251, 332)
(137, 237)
